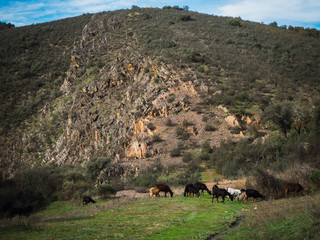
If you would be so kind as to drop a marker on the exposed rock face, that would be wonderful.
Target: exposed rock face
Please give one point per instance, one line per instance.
(138, 146)
(232, 121)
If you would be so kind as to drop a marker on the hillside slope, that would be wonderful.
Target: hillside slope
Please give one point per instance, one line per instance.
(136, 84)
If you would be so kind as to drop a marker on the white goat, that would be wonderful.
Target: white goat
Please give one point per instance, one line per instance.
(235, 192)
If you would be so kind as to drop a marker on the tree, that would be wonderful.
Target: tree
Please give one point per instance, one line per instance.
(4, 25)
(95, 166)
(273, 24)
(316, 116)
(302, 115)
(281, 115)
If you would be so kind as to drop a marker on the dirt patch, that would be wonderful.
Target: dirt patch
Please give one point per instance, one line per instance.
(131, 194)
(231, 226)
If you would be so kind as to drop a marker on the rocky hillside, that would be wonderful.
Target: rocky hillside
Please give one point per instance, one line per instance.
(139, 84)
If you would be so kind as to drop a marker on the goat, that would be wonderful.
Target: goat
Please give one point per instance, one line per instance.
(202, 187)
(293, 187)
(86, 200)
(252, 193)
(235, 192)
(153, 192)
(164, 188)
(217, 192)
(242, 195)
(191, 189)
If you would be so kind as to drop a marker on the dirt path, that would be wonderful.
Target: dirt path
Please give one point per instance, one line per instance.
(232, 225)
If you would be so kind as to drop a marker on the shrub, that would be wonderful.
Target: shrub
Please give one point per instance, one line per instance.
(157, 138)
(185, 18)
(206, 147)
(169, 122)
(195, 177)
(146, 178)
(268, 185)
(210, 128)
(205, 118)
(235, 22)
(95, 166)
(315, 178)
(235, 130)
(281, 114)
(176, 152)
(187, 157)
(74, 191)
(182, 134)
(106, 190)
(185, 123)
(151, 126)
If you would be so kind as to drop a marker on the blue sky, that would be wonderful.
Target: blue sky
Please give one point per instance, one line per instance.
(305, 13)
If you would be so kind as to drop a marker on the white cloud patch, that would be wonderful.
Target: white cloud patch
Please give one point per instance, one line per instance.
(20, 13)
(37, 11)
(263, 10)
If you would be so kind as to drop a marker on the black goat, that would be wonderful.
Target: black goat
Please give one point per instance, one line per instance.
(217, 192)
(86, 200)
(252, 193)
(191, 189)
(202, 187)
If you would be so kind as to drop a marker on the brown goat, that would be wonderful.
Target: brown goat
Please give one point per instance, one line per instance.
(294, 188)
(153, 192)
(163, 188)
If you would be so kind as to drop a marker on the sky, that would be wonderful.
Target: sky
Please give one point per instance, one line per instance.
(304, 13)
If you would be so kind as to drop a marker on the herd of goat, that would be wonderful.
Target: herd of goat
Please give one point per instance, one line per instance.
(190, 190)
(231, 193)
(216, 192)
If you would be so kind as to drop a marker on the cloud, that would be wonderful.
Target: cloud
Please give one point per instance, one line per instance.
(22, 13)
(262, 10)
(26, 12)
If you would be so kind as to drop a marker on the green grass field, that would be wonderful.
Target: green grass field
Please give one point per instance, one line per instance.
(170, 218)
(148, 218)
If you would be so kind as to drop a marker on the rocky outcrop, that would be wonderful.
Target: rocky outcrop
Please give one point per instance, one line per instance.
(232, 121)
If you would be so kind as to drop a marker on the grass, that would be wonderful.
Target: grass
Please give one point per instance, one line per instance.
(295, 218)
(171, 218)
(149, 218)
(210, 175)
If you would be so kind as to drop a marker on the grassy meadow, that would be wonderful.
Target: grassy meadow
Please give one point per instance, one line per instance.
(145, 218)
(170, 218)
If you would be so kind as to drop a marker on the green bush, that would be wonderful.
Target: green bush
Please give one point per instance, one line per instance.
(156, 138)
(268, 185)
(182, 133)
(74, 190)
(185, 18)
(235, 22)
(187, 157)
(315, 178)
(147, 178)
(169, 123)
(176, 152)
(95, 166)
(210, 128)
(106, 190)
(186, 123)
(195, 177)
(151, 126)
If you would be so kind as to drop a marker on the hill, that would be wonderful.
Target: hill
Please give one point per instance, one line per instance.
(147, 85)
